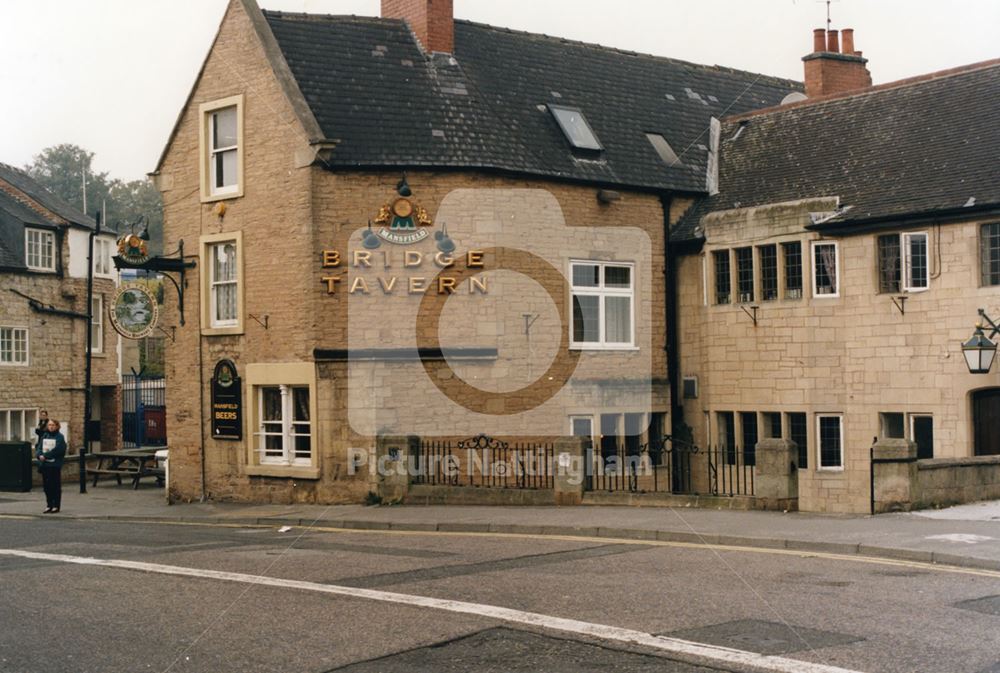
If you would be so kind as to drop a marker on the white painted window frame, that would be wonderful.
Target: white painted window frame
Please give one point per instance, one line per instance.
(214, 284)
(44, 238)
(7, 356)
(97, 320)
(819, 443)
(27, 429)
(103, 267)
(815, 269)
(907, 254)
(602, 293)
(287, 434)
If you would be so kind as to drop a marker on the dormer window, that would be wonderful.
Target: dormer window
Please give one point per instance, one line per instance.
(40, 250)
(575, 127)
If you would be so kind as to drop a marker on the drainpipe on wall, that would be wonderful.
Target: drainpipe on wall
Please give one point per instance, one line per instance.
(670, 312)
(201, 409)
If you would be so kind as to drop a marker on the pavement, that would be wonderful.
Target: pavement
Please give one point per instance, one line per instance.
(968, 535)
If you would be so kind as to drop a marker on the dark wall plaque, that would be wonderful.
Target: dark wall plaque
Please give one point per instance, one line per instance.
(227, 402)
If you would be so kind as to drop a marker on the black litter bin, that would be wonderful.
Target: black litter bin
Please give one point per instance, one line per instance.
(15, 466)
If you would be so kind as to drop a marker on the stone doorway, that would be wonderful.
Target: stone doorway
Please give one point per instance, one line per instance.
(986, 421)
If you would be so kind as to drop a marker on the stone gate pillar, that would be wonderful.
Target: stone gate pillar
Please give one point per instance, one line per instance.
(776, 476)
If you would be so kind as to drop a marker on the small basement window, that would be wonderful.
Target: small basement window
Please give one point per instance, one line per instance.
(574, 125)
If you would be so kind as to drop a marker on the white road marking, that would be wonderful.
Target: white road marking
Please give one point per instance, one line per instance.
(965, 538)
(676, 646)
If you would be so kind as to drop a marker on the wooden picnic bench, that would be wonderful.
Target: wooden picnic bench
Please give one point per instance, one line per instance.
(133, 464)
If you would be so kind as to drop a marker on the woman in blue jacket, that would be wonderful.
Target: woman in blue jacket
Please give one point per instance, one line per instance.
(50, 451)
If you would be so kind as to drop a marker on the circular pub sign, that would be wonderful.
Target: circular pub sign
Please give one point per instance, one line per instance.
(134, 311)
(133, 249)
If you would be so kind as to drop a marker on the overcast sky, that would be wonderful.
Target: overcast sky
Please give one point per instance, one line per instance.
(111, 75)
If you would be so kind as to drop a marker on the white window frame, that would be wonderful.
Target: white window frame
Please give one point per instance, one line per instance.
(210, 326)
(103, 267)
(907, 280)
(97, 320)
(7, 357)
(213, 284)
(27, 429)
(287, 434)
(207, 111)
(819, 444)
(602, 293)
(815, 268)
(44, 238)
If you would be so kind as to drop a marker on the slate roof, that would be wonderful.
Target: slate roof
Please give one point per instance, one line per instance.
(25, 183)
(16, 213)
(921, 147)
(372, 89)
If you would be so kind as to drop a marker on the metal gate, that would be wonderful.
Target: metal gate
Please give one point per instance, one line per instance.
(144, 411)
(485, 462)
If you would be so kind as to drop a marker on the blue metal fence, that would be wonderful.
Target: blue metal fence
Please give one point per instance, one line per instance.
(144, 419)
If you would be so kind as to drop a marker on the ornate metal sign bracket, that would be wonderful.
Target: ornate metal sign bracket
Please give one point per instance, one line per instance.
(174, 263)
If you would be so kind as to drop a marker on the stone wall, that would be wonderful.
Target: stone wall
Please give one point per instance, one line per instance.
(54, 377)
(855, 355)
(943, 482)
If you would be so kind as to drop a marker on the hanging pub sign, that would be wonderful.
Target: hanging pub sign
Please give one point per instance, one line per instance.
(134, 311)
(227, 402)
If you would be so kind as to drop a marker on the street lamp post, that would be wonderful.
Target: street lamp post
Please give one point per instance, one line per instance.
(980, 350)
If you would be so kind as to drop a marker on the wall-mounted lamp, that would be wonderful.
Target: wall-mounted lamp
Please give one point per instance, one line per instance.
(980, 351)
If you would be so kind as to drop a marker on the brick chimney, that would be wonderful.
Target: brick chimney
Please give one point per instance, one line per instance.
(433, 21)
(830, 70)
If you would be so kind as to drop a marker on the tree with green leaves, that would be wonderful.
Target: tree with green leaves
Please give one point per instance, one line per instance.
(60, 169)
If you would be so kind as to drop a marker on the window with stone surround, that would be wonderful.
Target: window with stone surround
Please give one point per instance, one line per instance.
(903, 262)
(222, 152)
(768, 272)
(282, 420)
(603, 311)
(918, 428)
(14, 346)
(792, 253)
(40, 250)
(744, 275)
(284, 432)
(750, 436)
(723, 277)
(989, 253)
(18, 425)
(771, 424)
(222, 283)
(826, 281)
(830, 442)
(726, 425)
(798, 432)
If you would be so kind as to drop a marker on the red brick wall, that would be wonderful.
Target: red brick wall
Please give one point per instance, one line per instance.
(835, 73)
(432, 20)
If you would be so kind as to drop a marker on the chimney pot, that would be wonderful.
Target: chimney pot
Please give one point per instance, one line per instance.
(819, 40)
(833, 42)
(848, 37)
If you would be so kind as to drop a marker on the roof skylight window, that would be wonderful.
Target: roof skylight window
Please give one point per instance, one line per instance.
(574, 125)
(664, 149)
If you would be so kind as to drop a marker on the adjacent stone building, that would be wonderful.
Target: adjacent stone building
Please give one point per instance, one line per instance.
(826, 289)
(43, 316)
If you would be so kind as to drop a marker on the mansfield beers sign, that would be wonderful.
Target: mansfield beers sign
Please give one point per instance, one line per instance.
(227, 402)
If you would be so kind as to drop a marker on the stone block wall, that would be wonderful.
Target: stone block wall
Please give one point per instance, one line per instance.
(855, 355)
